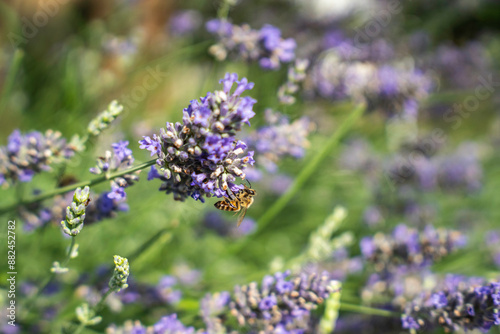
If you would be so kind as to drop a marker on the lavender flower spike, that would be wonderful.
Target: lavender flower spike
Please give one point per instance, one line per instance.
(296, 74)
(279, 305)
(264, 46)
(167, 325)
(202, 156)
(28, 154)
(408, 248)
(75, 213)
(462, 308)
(104, 119)
(120, 275)
(280, 138)
(121, 158)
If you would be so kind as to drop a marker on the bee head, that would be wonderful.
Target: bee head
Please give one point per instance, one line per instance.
(251, 192)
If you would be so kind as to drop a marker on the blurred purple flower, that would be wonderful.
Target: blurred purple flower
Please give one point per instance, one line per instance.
(468, 307)
(266, 46)
(275, 305)
(407, 248)
(369, 73)
(184, 22)
(372, 216)
(165, 290)
(117, 192)
(31, 153)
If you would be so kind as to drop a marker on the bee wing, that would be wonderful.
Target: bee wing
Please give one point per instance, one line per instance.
(231, 195)
(243, 211)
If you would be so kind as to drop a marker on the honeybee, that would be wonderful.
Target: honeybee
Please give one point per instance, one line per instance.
(241, 202)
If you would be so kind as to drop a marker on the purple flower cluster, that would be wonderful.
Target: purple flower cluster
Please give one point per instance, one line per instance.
(397, 288)
(458, 170)
(166, 325)
(265, 45)
(165, 290)
(401, 263)
(121, 158)
(408, 248)
(184, 22)
(419, 167)
(212, 308)
(105, 207)
(364, 73)
(296, 75)
(279, 305)
(37, 217)
(461, 307)
(472, 59)
(28, 154)
(359, 157)
(403, 287)
(280, 138)
(186, 275)
(201, 156)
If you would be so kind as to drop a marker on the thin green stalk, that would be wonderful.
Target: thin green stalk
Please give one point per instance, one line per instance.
(223, 11)
(147, 244)
(99, 305)
(58, 191)
(306, 173)
(92, 312)
(368, 310)
(79, 329)
(144, 246)
(30, 301)
(309, 169)
(70, 250)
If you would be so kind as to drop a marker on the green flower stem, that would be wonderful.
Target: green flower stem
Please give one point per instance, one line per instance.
(30, 302)
(79, 329)
(93, 311)
(309, 169)
(147, 244)
(223, 11)
(368, 310)
(305, 174)
(58, 191)
(99, 305)
(70, 250)
(143, 247)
